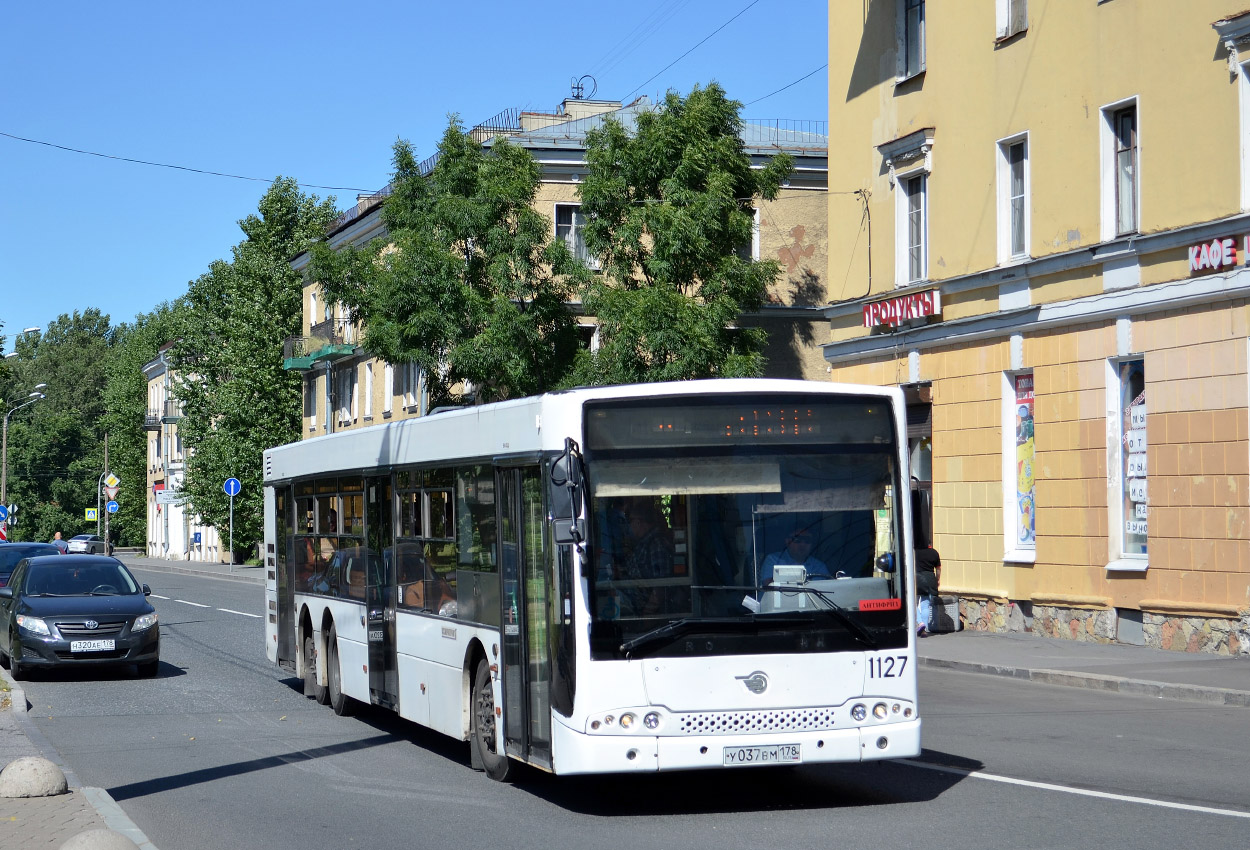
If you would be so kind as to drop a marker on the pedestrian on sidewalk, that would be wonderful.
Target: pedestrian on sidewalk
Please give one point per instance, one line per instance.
(928, 571)
(59, 543)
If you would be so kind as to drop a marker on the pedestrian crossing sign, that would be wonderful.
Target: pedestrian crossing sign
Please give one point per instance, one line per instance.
(91, 514)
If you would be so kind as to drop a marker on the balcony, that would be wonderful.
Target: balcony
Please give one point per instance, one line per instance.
(152, 420)
(172, 412)
(326, 342)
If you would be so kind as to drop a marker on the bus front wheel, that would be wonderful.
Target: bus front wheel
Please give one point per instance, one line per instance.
(485, 739)
(342, 704)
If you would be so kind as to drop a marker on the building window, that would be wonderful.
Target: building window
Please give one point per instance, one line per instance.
(312, 308)
(1129, 499)
(916, 226)
(910, 38)
(751, 252)
(388, 389)
(368, 391)
(1121, 183)
(410, 376)
(346, 391)
(570, 224)
(1013, 198)
(310, 403)
(1019, 451)
(1010, 17)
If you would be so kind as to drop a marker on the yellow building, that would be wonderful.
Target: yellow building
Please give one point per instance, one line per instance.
(345, 387)
(1039, 219)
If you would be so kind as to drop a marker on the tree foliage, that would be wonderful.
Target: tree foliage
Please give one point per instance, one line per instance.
(56, 445)
(237, 399)
(669, 208)
(468, 283)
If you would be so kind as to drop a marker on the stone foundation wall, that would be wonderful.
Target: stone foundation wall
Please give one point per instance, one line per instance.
(1179, 634)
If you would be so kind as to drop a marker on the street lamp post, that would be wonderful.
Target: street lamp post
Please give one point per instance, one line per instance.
(4, 441)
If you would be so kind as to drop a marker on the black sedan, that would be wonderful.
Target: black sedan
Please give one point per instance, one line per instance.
(11, 553)
(77, 610)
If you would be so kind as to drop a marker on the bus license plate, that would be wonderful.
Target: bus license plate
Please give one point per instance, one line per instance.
(91, 645)
(776, 754)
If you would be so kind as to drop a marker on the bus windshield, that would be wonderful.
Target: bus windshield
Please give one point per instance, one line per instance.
(705, 541)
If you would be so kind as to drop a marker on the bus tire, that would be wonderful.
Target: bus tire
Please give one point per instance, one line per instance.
(484, 738)
(342, 704)
(311, 687)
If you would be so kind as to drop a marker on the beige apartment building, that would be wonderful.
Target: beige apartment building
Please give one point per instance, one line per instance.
(173, 532)
(1039, 226)
(346, 387)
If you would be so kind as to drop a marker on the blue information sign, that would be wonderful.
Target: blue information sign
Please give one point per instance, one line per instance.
(232, 486)
(111, 506)
(4, 513)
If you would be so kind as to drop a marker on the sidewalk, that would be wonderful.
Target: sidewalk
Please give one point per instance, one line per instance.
(1140, 670)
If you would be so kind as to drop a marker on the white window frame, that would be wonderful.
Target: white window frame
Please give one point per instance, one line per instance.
(1014, 550)
(312, 308)
(1234, 32)
(1108, 168)
(411, 390)
(368, 391)
(574, 232)
(1006, 222)
(1118, 559)
(1007, 24)
(347, 395)
(388, 389)
(903, 213)
(903, 43)
(310, 402)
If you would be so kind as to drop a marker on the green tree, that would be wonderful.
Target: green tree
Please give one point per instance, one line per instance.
(669, 208)
(237, 399)
(126, 402)
(468, 283)
(56, 446)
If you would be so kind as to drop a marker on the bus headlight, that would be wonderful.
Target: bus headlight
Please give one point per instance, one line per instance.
(627, 721)
(652, 720)
(880, 711)
(859, 711)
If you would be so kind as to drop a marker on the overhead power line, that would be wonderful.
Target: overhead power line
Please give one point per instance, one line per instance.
(177, 167)
(691, 50)
(788, 85)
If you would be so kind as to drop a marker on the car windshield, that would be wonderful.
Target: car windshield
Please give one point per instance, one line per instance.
(689, 532)
(102, 579)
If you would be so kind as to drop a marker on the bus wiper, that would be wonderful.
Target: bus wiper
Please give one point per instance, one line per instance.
(690, 624)
(860, 633)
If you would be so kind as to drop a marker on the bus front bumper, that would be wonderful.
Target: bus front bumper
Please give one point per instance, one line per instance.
(576, 752)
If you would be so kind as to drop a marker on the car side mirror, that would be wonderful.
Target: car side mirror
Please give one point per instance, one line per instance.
(147, 591)
(6, 593)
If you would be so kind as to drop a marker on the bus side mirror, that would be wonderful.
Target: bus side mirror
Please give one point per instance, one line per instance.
(565, 496)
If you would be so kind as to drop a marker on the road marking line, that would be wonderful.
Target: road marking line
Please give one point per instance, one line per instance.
(1104, 795)
(158, 596)
(196, 604)
(240, 613)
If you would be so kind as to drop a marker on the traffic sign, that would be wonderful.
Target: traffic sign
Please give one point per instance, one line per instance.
(4, 513)
(91, 513)
(111, 492)
(112, 480)
(111, 507)
(232, 487)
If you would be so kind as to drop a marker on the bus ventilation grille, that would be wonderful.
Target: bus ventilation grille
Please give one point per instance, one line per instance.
(737, 722)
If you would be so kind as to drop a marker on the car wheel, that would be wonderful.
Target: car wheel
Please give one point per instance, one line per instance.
(148, 669)
(17, 669)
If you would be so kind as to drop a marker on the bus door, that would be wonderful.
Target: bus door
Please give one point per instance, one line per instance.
(380, 592)
(525, 616)
(280, 563)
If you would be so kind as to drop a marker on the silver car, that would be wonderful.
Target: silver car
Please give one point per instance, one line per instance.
(89, 544)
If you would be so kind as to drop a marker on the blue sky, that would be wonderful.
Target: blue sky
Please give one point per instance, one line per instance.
(311, 90)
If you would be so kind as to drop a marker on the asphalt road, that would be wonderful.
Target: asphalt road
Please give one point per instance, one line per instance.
(223, 750)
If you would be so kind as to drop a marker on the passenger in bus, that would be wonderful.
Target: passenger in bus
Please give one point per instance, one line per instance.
(650, 557)
(798, 550)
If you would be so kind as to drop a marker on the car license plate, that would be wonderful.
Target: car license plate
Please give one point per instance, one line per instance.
(92, 645)
(776, 754)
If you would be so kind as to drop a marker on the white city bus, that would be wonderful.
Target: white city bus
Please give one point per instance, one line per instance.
(701, 574)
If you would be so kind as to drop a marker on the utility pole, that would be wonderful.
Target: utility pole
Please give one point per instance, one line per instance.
(97, 497)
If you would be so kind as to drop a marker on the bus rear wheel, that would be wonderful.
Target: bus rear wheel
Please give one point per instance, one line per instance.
(311, 687)
(484, 737)
(342, 704)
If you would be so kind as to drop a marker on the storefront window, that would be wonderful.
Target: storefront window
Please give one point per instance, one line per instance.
(1025, 519)
(1132, 375)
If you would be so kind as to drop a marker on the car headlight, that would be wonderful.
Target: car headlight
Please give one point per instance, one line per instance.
(144, 622)
(34, 625)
